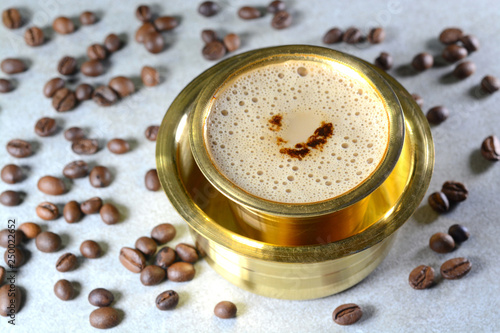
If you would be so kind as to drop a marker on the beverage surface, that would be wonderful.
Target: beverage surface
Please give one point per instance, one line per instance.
(298, 131)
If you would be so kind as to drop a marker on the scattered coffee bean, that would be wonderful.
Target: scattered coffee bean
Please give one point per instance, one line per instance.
(281, 20)
(464, 70)
(455, 191)
(63, 25)
(2, 275)
(422, 61)
(450, 35)
(97, 52)
(11, 18)
(422, 277)
(104, 318)
(91, 206)
(30, 229)
(490, 84)
(118, 146)
(180, 272)
(47, 211)
(376, 35)
(6, 86)
(441, 243)
(67, 66)
(112, 43)
(225, 310)
(9, 234)
(163, 233)
(187, 252)
(459, 233)
(64, 290)
(152, 132)
(122, 85)
(45, 126)
(439, 202)
(150, 76)
(146, 245)
(352, 36)
(90, 250)
(418, 99)
(208, 36)
(208, 8)
(249, 13)
(92, 68)
(52, 86)
(154, 42)
(214, 50)
(12, 174)
(67, 262)
(12, 66)
(84, 92)
(165, 257)
(51, 185)
(48, 242)
(101, 297)
(144, 29)
(151, 180)
(470, 42)
(76, 169)
(132, 259)
(109, 214)
(64, 100)
(19, 148)
(232, 42)
(104, 96)
(167, 300)
(10, 198)
(276, 6)
(88, 18)
(453, 53)
(490, 149)
(100, 177)
(143, 13)
(10, 299)
(333, 36)
(384, 61)
(72, 212)
(166, 23)
(152, 275)
(34, 36)
(455, 268)
(14, 257)
(347, 314)
(437, 115)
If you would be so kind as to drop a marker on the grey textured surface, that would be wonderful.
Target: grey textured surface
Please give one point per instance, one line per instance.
(390, 305)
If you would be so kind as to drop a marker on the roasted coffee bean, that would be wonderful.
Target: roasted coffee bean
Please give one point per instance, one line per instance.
(454, 52)
(10, 198)
(150, 76)
(90, 249)
(112, 43)
(437, 115)
(167, 300)
(470, 42)
(11, 18)
(104, 96)
(347, 314)
(352, 36)
(214, 50)
(64, 100)
(455, 191)
(118, 146)
(48, 242)
(92, 68)
(91, 206)
(208, 8)
(12, 174)
(30, 230)
(132, 259)
(208, 36)
(232, 42)
(276, 6)
(450, 35)
(333, 36)
(490, 149)
(166, 23)
(464, 70)
(225, 310)
(12, 66)
(47, 211)
(84, 92)
(187, 252)
(34, 36)
(422, 277)
(490, 84)
(441, 243)
(459, 233)
(2, 275)
(249, 13)
(165, 257)
(6, 86)
(143, 13)
(152, 275)
(52, 86)
(64, 290)
(51, 185)
(72, 212)
(384, 61)
(151, 180)
(100, 176)
(10, 299)
(146, 245)
(76, 169)
(154, 42)
(109, 214)
(19, 148)
(7, 235)
(143, 30)
(281, 20)
(101, 297)
(376, 35)
(45, 126)
(422, 61)
(418, 99)
(97, 52)
(122, 85)
(455, 268)
(439, 202)
(88, 18)
(180, 272)
(152, 132)
(104, 318)
(63, 25)
(163, 233)
(67, 262)
(67, 66)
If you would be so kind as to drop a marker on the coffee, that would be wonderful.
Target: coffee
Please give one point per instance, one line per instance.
(298, 131)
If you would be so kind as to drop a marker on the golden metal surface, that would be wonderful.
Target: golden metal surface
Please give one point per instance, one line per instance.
(289, 272)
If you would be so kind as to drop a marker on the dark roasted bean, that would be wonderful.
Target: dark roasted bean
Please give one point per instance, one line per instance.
(64, 290)
(122, 85)
(105, 96)
(232, 42)
(154, 42)
(165, 23)
(151, 180)
(225, 310)
(422, 61)
(152, 132)
(208, 8)
(143, 30)
(439, 202)
(132, 259)
(67, 262)
(97, 52)
(214, 50)
(459, 233)
(167, 300)
(100, 176)
(109, 214)
(118, 146)
(143, 13)
(384, 61)
(12, 174)
(72, 212)
(51, 185)
(146, 245)
(333, 36)
(249, 13)
(276, 6)
(11, 18)
(52, 86)
(165, 257)
(92, 68)
(470, 42)
(85, 146)
(163, 233)
(34, 36)
(14, 257)
(9, 234)
(490, 84)
(6, 86)
(455, 191)
(48, 242)
(104, 318)
(112, 43)
(64, 100)
(10, 299)
(441, 243)
(45, 126)
(101, 297)
(422, 277)
(76, 169)
(88, 18)
(281, 20)
(152, 275)
(90, 250)
(347, 314)
(47, 211)
(12, 66)
(437, 115)
(84, 92)
(63, 25)
(208, 36)
(19, 148)
(490, 149)
(464, 70)
(450, 35)
(455, 268)
(30, 229)
(67, 66)
(187, 252)
(454, 52)
(91, 206)
(352, 36)
(180, 272)
(376, 35)
(10, 198)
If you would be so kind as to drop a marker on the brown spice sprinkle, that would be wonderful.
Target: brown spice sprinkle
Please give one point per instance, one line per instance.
(275, 122)
(315, 141)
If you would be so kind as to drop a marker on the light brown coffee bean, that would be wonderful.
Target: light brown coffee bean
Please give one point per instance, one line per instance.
(9, 235)
(422, 277)
(45, 126)
(150, 76)
(100, 176)
(88, 18)
(109, 214)
(90, 249)
(101, 297)
(12, 174)
(187, 252)
(118, 146)
(112, 43)
(146, 245)
(143, 13)
(11, 18)
(232, 42)
(249, 13)
(455, 268)
(143, 30)
(92, 68)
(152, 132)
(63, 25)
(214, 50)
(74, 133)
(53, 85)
(152, 275)
(104, 318)
(347, 314)
(85, 146)
(30, 229)
(122, 85)
(34, 36)
(64, 100)
(47, 211)
(11, 198)
(48, 242)
(97, 52)
(151, 180)
(14, 257)
(132, 259)
(225, 310)
(165, 257)
(64, 290)
(67, 262)
(166, 23)
(91, 206)
(12, 66)
(51, 185)
(154, 42)
(181, 272)
(72, 212)
(67, 66)
(19, 148)
(167, 300)
(84, 92)
(163, 233)
(104, 96)
(6, 86)
(10, 299)
(76, 169)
